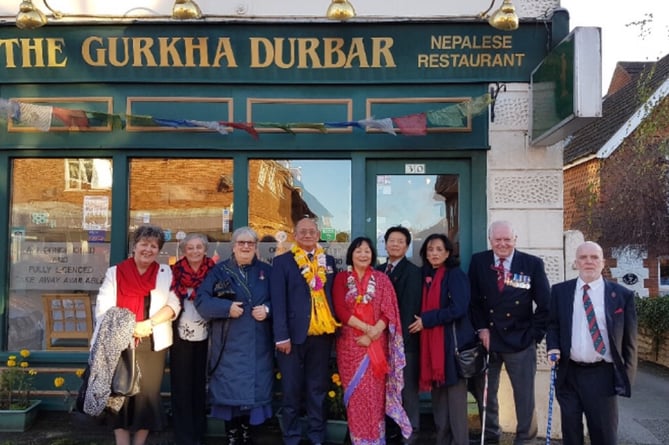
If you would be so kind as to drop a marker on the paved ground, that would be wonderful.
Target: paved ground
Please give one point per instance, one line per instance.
(644, 420)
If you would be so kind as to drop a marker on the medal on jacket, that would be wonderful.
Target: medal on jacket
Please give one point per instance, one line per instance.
(518, 280)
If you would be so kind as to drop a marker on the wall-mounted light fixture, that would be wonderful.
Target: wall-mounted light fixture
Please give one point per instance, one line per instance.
(340, 10)
(186, 9)
(504, 19)
(29, 17)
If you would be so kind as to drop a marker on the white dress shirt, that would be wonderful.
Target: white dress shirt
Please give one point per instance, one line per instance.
(582, 349)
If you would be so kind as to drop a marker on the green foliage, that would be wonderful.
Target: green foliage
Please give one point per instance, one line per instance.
(653, 314)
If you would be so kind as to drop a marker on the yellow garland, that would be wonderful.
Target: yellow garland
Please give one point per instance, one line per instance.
(322, 321)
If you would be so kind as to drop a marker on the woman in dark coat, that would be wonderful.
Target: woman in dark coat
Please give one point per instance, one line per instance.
(446, 296)
(235, 297)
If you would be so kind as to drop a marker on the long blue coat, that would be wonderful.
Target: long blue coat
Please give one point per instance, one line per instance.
(242, 359)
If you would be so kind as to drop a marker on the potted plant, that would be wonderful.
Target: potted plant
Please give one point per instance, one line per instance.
(17, 410)
(337, 427)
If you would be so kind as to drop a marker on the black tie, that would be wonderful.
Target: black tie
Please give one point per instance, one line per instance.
(310, 256)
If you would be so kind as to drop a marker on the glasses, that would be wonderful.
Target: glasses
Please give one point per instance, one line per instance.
(246, 243)
(306, 232)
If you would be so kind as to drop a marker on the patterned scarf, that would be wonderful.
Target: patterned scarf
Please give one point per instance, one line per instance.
(432, 358)
(184, 277)
(132, 287)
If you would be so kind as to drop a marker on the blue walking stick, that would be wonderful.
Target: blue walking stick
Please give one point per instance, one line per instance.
(553, 359)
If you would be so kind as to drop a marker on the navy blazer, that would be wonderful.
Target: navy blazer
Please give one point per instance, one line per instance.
(453, 309)
(621, 324)
(516, 317)
(291, 298)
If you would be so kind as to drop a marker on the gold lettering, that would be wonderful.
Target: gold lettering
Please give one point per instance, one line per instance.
(224, 51)
(266, 44)
(307, 53)
(86, 52)
(278, 52)
(332, 46)
(168, 51)
(54, 47)
(201, 48)
(357, 51)
(141, 49)
(32, 46)
(9, 45)
(113, 52)
(486, 42)
(381, 49)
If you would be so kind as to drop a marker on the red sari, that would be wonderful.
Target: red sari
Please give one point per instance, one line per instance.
(370, 396)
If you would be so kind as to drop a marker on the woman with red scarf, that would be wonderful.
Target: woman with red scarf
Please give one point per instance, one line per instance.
(188, 355)
(142, 285)
(370, 351)
(446, 297)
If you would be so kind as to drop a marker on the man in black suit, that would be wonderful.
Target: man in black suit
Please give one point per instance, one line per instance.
(300, 276)
(592, 330)
(509, 307)
(406, 279)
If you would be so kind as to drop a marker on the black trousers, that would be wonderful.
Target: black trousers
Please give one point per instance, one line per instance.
(188, 376)
(588, 390)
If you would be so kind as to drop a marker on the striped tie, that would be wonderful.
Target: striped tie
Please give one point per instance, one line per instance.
(389, 268)
(597, 340)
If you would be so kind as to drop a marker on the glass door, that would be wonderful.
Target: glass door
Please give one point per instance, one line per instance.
(425, 196)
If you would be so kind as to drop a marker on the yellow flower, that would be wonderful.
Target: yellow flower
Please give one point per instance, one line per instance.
(16, 382)
(332, 394)
(336, 379)
(79, 372)
(58, 382)
(278, 376)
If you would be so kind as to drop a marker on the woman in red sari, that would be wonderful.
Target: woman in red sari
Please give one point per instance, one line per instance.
(370, 352)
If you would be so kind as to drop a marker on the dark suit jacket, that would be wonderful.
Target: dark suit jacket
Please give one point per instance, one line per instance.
(406, 279)
(513, 320)
(621, 324)
(291, 298)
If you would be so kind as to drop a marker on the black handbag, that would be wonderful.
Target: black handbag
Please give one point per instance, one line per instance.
(470, 360)
(125, 381)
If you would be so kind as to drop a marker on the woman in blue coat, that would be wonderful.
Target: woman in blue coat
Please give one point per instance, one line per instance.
(235, 298)
(445, 305)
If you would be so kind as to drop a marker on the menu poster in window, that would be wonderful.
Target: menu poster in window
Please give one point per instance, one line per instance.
(96, 213)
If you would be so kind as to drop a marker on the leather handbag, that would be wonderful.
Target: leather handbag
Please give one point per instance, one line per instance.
(470, 360)
(125, 381)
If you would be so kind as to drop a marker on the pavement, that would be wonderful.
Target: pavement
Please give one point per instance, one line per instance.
(643, 420)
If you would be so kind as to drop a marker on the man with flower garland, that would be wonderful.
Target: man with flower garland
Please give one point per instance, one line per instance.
(304, 326)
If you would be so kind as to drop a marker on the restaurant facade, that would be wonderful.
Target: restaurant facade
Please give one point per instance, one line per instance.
(210, 125)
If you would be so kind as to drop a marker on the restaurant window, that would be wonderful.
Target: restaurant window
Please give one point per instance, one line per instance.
(281, 192)
(183, 196)
(59, 244)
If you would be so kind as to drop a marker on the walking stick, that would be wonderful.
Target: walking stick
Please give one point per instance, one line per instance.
(553, 358)
(485, 399)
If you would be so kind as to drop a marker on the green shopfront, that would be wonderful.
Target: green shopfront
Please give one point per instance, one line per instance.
(210, 127)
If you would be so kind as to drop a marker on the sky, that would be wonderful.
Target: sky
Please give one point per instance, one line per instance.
(623, 41)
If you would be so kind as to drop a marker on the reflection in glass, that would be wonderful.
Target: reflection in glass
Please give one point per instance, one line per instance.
(183, 196)
(60, 218)
(424, 204)
(283, 192)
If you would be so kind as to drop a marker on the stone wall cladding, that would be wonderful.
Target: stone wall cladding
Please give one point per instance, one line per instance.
(526, 189)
